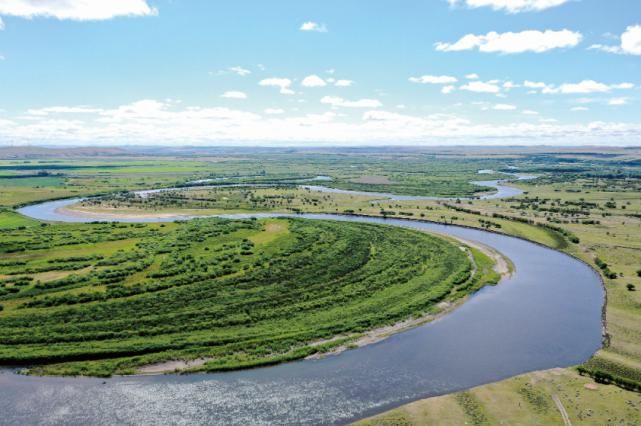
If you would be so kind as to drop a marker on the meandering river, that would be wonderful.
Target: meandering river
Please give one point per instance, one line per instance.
(547, 314)
(501, 189)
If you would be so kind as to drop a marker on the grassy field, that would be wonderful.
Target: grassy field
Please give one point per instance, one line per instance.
(584, 203)
(27, 180)
(533, 399)
(105, 298)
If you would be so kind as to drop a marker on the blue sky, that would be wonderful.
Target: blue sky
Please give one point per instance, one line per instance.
(265, 72)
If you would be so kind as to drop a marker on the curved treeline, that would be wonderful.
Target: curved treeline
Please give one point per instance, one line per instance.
(240, 293)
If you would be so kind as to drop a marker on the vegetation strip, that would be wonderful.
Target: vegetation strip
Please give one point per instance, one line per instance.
(130, 295)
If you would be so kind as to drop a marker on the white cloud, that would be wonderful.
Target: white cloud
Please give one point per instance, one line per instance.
(155, 122)
(585, 86)
(63, 110)
(243, 72)
(504, 107)
(606, 48)
(77, 10)
(233, 94)
(282, 83)
(337, 101)
(579, 108)
(274, 111)
(512, 6)
(481, 87)
(343, 83)
(618, 101)
(631, 40)
(434, 79)
(534, 84)
(630, 43)
(472, 76)
(313, 26)
(446, 90)
(313, 81)
(525, 41)
(1, 24)
(529, 112)
(623, 86)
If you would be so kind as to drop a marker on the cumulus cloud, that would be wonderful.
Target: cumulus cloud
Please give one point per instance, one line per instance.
(233, 94)
(274, 111)
(511, 6)
(313, 81)
(282, 83)
(481, 87)
(337, 101)
(631, 40)
(510, 42)
(579, 108)
(529, 112)
(434, 79)
(446, 90)
(1, 24)
(161, 122)
(630, 43)
(313, 26)
(155, 122)
(472, 76)
(77, 10)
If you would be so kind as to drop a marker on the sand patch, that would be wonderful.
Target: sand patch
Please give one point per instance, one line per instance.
(171, 366)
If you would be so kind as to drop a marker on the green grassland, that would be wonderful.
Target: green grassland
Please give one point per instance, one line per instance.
(220, 200)
(25, 181)
(105, 298)
(529, 400)
(585, 203)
